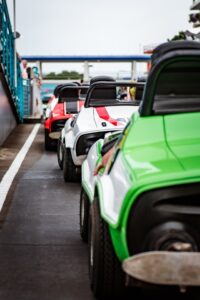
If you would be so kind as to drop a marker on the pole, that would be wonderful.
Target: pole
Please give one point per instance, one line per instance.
(86, 77)
(14, 27)
(134, 70)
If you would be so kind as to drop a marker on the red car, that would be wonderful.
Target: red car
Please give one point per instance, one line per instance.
(68, 100)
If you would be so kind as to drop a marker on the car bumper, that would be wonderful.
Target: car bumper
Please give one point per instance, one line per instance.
(55, 135)
(164, 268)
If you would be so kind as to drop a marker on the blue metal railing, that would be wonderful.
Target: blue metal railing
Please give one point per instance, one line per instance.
(27, 97)
(19, 97)
(7, 60)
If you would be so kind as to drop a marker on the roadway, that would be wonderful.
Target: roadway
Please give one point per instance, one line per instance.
(41, 254)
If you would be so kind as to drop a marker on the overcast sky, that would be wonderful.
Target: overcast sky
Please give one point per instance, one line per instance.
(66, 27)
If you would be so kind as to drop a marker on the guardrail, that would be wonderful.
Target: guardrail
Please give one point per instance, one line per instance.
(19, 97)
(27, 97)
(7, 60)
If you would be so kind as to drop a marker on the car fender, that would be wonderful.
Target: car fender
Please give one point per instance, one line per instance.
(88, 167)
(112, 189)
(62, 135)
(47, 124)
(68, 134)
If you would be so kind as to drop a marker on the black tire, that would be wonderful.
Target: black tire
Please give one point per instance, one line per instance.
(60, 154)
(84, 215)
(106, 276)
(70, 171)
(47, 141)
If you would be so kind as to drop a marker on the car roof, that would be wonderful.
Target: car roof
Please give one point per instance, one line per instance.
(104, 93)
(172, 46)
(179, 64)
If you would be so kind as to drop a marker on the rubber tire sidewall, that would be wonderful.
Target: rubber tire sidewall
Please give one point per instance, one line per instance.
(69, 168)
(84, 204)
(60, 161)
(47, 141)
(106, 276)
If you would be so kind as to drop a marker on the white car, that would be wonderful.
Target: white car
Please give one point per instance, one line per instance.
(103, 112)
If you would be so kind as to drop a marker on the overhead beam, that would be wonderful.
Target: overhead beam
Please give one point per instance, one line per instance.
(95, 58)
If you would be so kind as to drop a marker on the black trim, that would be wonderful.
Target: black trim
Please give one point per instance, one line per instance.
(85, 141)
(170, 213)
(146, 108)
(101, 78)
(173, 46)
(58, 125)
(105, 85)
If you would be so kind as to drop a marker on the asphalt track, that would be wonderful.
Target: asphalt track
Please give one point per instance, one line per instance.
(41, 254)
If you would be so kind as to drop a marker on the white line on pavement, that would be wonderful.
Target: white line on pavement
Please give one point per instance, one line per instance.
(8, 178)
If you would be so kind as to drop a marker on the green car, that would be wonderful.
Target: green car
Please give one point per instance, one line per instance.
(141, 214)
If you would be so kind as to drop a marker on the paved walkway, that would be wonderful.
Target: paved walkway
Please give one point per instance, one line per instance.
(41, 254)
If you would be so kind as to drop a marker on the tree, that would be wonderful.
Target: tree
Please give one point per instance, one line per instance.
(180, 36)
(70, 75)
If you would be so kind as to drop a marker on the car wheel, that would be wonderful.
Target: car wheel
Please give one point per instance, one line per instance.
(84, 215)
(106, 276)
(47, 141)
(60, 153)
(69, 169)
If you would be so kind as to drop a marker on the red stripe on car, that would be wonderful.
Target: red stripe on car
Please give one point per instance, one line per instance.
(103, 114)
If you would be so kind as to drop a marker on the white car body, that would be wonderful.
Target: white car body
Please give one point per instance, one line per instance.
(93, 120)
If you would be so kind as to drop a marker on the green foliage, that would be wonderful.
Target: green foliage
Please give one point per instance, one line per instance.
(180, 36)
(64, 75)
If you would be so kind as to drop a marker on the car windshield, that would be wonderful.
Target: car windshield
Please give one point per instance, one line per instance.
(116, 96)
(83, 92)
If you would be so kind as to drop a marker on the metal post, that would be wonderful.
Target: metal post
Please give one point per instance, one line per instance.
(41, 71)
(134, 70)
(14, 28)
(39, 66)
(86, 72)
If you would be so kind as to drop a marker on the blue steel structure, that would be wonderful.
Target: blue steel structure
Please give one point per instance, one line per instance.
(27, 97)
(7, 61)
(89, 58)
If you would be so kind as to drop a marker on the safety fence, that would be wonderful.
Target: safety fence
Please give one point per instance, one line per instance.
(9, 60)
(27, 97)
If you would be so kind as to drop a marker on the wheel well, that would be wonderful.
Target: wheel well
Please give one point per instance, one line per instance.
(86, 192)
(96, 194)
(97, 198)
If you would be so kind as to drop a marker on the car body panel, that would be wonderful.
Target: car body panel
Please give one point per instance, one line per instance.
(58, 113)
(87, 169)
(90, 120)
(66, 104)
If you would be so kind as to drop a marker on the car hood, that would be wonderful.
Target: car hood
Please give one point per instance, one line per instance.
(164, 150)
(183, 139)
